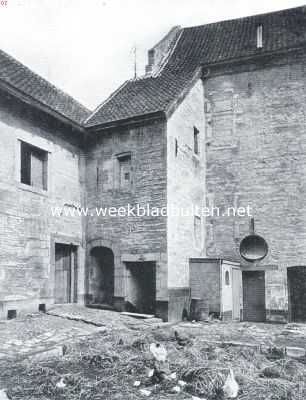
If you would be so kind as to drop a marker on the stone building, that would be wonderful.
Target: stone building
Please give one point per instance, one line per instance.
(218, 120)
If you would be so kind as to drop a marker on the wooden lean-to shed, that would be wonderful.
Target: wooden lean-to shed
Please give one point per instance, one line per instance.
(218, 284)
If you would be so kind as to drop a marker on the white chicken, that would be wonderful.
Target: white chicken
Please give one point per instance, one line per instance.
(159, 352)
(3, 395)
(231, 387)
(61, 383)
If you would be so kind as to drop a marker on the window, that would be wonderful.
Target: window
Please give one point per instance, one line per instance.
(259, 37)
(34, 166)
(125, 172)
(196, 134)
(227, 278)
(197, 232)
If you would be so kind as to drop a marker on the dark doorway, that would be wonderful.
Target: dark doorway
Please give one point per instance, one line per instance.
(65, 273)
(101, 279)
(297, 293)
(254, 299)
(141, 287)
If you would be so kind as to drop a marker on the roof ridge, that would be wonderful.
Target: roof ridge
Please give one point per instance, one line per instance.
(97, 109)
(247, 17)
(42, 79)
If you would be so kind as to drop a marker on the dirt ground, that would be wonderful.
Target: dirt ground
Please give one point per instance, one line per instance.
(107, 356)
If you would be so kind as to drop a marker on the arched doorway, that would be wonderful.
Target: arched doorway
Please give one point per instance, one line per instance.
(101, 275)
(297, 293)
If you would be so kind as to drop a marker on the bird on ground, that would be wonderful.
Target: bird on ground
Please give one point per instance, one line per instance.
(159, 352)
(231, 387)
(181, 339)
(3, 395)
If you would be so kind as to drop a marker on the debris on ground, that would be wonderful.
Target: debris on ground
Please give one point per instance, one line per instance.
(145, 392)
(176, 389)
(134, 363)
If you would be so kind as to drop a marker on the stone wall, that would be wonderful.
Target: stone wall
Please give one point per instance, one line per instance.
(186, 186)
(256, 148)
(132, 238)
(28, 230)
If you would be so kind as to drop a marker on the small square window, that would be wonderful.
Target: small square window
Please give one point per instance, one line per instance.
(196, 135)
(125, 171)
(33, 166)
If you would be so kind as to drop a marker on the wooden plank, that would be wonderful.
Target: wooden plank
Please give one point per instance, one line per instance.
(136, 315)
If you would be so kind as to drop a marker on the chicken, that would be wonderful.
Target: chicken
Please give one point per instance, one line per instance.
(182, 340)
(270, 372)
(159, 352)
(231, 387)
(3, 395)
(61, 383)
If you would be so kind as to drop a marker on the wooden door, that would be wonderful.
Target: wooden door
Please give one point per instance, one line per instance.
(297, 293)
(254, 302)
(65, 274)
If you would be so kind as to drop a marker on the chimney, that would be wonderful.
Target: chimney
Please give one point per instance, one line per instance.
(160, 51)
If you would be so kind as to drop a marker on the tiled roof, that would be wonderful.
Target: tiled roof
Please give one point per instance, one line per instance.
(21, 78)
(206, 44)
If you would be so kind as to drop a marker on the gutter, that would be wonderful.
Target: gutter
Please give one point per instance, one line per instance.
(135, 120)
(253, 57)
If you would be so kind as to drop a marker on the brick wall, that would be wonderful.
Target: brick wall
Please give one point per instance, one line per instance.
(27, 228)
(256, 147)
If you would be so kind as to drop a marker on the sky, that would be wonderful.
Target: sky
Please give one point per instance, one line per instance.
(85, 47)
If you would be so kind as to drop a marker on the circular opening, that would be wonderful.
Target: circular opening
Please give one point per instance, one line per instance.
(253, 248)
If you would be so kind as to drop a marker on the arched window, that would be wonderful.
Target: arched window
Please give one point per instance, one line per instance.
(227, 278)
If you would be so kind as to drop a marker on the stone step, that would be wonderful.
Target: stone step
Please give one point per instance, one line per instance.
(101, 307)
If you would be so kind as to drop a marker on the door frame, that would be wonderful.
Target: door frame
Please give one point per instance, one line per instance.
(229, 266)
(70, 241)
(262, 271)
(237, 268)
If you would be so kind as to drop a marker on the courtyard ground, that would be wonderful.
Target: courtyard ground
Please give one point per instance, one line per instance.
(86, 354)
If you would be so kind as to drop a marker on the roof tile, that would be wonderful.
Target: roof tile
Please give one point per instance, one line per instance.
(206, 44)
(15, 74)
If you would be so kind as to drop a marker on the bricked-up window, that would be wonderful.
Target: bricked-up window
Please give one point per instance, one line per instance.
(197, 232)
(125, 171)
(196, 136)
(33, 166)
